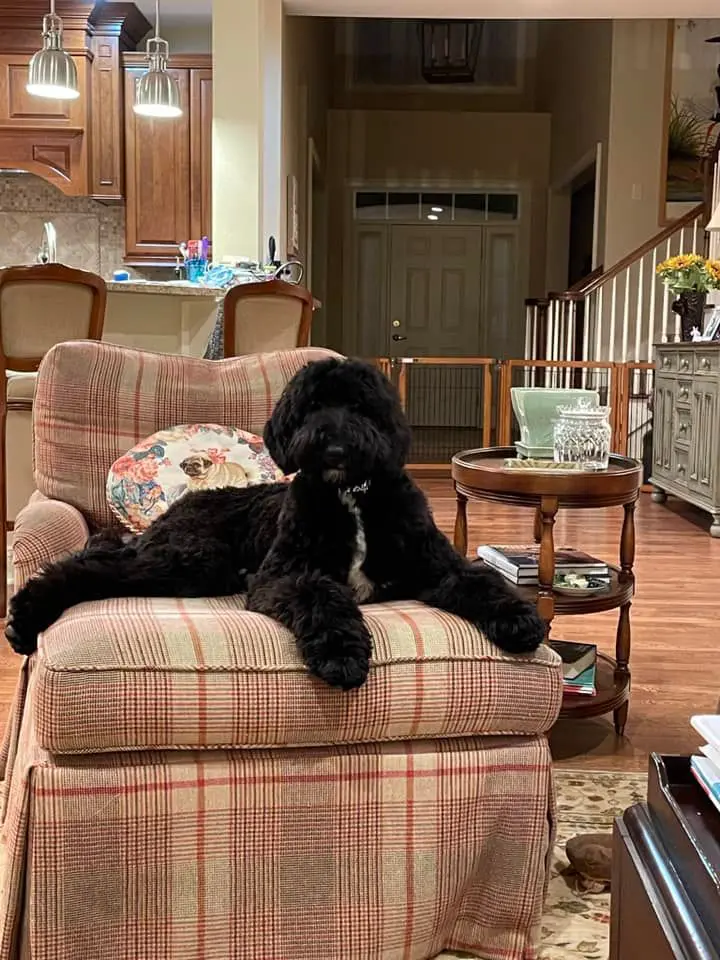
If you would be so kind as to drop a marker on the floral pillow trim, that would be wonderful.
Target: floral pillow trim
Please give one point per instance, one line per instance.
(146, 480)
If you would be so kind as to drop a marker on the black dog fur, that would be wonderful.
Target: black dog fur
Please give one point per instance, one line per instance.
(340, 427)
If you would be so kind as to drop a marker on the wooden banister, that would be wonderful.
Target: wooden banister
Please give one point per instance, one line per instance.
(664, 235)
(593, 275)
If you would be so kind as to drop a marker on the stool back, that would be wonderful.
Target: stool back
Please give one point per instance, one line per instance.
(46, 304)
(266, 316)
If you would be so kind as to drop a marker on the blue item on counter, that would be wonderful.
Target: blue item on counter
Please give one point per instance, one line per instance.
(219, 276)
(120, 275)
(196, 269)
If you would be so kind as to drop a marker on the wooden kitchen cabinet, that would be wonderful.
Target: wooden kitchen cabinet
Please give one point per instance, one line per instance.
(201, 112)
(168, 166)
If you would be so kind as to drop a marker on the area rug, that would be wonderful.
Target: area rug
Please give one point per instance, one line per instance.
(576, 926)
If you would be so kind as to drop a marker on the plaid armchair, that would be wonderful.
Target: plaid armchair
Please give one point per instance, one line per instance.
(176, 786)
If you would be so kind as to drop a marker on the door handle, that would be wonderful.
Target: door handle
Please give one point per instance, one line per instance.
(397, 337)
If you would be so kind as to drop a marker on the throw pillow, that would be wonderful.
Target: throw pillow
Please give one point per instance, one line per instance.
(146, 480)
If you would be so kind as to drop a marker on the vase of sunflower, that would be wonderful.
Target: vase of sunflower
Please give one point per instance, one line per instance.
(689, 277)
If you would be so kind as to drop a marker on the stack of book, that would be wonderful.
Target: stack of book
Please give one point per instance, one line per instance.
(706, 768)
(579, 662)
(519, 565)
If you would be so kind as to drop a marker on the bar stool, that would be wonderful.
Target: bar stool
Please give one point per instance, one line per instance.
(266, 316)
(40, 306)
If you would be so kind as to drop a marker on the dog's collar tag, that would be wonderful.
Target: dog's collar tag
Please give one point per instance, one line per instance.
(360, 488)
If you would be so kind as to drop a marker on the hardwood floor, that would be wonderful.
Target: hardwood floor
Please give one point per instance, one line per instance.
(675, 657)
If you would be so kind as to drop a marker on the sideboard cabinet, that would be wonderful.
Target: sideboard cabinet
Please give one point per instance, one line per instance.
(686, 426)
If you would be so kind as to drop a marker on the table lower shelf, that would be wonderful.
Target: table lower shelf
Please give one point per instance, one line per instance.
(613, 689)
(622, 587)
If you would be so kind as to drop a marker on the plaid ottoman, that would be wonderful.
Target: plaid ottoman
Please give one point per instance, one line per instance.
(177, 786)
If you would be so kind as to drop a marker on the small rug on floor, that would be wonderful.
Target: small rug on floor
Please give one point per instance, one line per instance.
(576, 926)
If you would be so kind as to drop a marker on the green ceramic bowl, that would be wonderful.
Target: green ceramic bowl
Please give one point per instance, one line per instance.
(535, 410)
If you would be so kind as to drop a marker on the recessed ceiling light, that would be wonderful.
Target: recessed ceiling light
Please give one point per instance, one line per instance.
(432, 216)
(436, 209)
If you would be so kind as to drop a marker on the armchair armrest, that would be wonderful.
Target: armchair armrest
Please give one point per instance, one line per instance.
(45, 530)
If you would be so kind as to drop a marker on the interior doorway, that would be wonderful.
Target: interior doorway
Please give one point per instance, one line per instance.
(429, 290)
(315, 278)
(583, 192)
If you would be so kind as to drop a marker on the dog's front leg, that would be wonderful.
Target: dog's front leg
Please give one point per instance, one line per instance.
(426, 567)
(299, 584)
(328, 626)
(486, 599)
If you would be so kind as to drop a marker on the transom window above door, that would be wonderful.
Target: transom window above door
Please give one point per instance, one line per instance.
(436, 207)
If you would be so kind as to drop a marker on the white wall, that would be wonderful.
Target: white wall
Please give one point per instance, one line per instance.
(189, 38)
(574, 74)
(636, 142)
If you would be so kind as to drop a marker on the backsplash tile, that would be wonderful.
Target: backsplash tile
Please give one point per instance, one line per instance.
(90, 234)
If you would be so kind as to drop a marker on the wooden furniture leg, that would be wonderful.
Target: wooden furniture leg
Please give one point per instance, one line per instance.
(546, 563)
(622, 641)
(460, 537)
(3, 496)
(537, 526)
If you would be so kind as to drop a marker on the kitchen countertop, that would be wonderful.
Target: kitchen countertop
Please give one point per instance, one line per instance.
(174, 287)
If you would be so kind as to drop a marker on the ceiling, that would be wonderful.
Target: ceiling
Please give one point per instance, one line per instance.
(178, 11)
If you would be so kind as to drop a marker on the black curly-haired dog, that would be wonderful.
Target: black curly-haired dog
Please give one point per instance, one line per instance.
(350, 528)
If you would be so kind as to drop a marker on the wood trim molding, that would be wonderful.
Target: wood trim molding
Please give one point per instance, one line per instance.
(57, 155)
(21, 24)
(179, 61)
(122, 20)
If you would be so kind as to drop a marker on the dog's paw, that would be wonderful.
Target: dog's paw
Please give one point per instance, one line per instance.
(516, 627)
(346, 673)
(21, 632)
(340, 657)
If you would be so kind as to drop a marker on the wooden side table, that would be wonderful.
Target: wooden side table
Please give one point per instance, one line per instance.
(482, 475)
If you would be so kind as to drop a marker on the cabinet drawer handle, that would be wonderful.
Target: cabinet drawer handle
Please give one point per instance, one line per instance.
(667, 464)
(666, 362)
(684, 393)
(704, 364)
(683, 427)
(693, 476)
(681, 468)
(684, 364)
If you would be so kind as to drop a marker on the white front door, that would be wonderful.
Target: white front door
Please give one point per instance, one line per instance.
(435, 291)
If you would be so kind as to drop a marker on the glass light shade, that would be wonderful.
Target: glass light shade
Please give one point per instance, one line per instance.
(157, 93)
(52, 72)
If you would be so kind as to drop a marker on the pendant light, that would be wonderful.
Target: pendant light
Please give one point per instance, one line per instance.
(157, 93)
(52, 72)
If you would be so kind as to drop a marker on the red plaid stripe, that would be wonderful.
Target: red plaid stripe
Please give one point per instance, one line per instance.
(369, 852)
(94, 401)
(165, 673)
(45, 530)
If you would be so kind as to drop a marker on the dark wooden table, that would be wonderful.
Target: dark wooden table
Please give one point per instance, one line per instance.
(482, 475)
(665, 901)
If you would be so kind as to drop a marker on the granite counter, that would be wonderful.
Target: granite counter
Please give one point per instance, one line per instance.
(170, 317)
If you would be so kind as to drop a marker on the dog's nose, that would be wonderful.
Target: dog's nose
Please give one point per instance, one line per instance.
(334, 454)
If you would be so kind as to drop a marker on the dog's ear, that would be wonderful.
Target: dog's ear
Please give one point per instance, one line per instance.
(282, 424)
(272, 443)
(395, 421)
